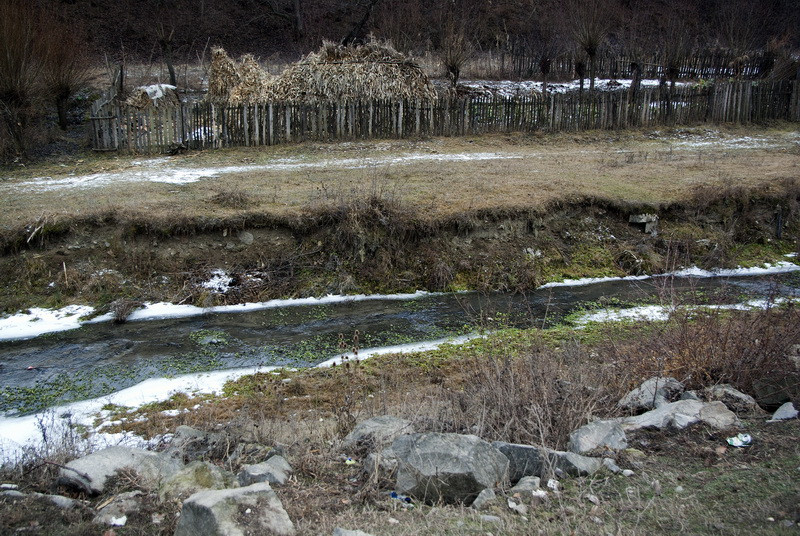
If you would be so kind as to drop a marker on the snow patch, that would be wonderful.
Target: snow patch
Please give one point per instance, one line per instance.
(220, 282)
(37, 321)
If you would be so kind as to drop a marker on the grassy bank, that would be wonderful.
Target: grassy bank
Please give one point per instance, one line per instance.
(492, 212)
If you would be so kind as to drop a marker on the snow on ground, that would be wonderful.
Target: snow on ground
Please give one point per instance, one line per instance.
(510, 88)
(220, 282)
(36, 321)
(161, 170)
(19, 433)
(662, 312)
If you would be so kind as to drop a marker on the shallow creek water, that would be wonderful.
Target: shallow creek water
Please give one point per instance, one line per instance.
(101, 358)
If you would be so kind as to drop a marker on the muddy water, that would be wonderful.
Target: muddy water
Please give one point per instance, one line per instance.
(101, 358)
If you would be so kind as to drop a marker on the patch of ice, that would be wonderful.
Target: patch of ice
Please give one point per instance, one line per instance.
(156, 91)
(220, 282)
(39, 321)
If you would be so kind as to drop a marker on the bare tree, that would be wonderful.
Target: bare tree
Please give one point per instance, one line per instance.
(66, 67)
(591, 22)
(20, 71)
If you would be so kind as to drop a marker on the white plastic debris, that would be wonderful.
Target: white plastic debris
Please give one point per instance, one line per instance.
(740, 440)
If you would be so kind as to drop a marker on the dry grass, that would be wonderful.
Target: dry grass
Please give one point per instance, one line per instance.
(616, 166)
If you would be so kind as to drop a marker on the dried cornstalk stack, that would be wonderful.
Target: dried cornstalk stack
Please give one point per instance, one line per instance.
(253, 85)
(224, 76)
(372, 71)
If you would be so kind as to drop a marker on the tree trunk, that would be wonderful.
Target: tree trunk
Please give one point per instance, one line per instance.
(61, 108)
(591, 73)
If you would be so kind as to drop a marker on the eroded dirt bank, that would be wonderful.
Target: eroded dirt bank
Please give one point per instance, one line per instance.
(371, 243)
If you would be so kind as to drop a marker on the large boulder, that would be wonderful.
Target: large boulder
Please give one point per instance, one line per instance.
(735, 400)
(92, 472)
(532, 460)
(253, 509)
(195, 477)
(682, 414)
(598, 435)
(192, 444)
(653, 393)
(451, 468)
(376, 433)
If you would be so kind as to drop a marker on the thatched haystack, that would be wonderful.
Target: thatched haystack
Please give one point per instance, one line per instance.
(253, 84)
(224, 76)
(371, 71)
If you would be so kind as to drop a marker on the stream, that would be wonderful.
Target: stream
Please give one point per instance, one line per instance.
(102, 358)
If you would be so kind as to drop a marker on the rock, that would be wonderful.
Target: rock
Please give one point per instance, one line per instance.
(484, 499)
(603, 435)
(611, 465)
(521, 509)
(648, 223)
(653, 393)
(376, 433)
(785, 412)
(452, 468)
(195, 477)
(62, 502)
(91, 472)
(191, 444)
(13, 493)
(235, 512)
(527, 483)
(491, 519)
(251, 453)
(530, 460)
(276, 470)
(735, 400)
(246, 237)
(681, 414)
(115, 513)
(689, 395)
(383, 462)
(344, 532)
(627, 472)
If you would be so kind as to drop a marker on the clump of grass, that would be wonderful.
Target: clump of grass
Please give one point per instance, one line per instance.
(121, 309)
(236, 199)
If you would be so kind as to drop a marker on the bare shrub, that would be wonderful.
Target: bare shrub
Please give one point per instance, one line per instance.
(537, 397)
(66, 66)
(703, 348)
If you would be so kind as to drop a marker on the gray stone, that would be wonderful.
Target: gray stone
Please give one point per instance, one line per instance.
(234, 512)
(383, 462)
(689, 395)
(376, 433)
(246, 238)
(527, 483)
(344, 532)
(611, 465)
(59, 500)
(115, 513)
(13, 493)
(452, 468)
(491, 519)
(91, 472)
(263, 472)
(648, 223)
(530, 460)
(191, 444)
(651, 394)
(785, 412)
(250, 453)
(484, 499)
(735, 400)
(602, 435)
(681, 414)
(195, 477)
(279, 462)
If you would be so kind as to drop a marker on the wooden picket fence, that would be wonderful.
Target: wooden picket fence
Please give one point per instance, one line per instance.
(204, 125)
